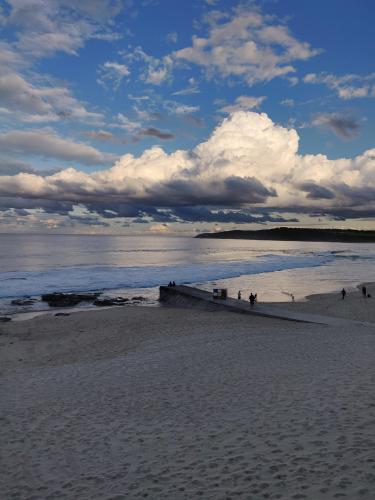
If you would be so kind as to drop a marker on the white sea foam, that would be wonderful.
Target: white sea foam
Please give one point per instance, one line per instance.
(19, 283)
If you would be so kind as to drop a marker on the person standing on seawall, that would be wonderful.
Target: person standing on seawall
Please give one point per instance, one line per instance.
(343, 293)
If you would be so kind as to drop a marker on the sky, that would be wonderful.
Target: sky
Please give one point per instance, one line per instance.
(170, 117)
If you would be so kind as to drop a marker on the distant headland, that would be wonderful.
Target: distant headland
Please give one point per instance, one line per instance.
(296, 234)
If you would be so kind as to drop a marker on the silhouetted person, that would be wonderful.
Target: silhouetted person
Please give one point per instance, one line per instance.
(292, 297)
(239, 295)
(343, 293)
(364, 291)
(170, 283)
(252, 298)
(255, 297)
(173, 283)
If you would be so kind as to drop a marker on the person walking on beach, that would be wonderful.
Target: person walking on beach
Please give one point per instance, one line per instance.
(252, 299)
(364, 291)
(239, 295)
(343, 293)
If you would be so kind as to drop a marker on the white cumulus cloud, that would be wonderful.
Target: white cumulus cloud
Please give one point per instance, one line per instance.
(247, 161)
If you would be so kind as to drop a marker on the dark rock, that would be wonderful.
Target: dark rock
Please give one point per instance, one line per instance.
(140, 298)
(4, 319)
(23, 302)
(68, 299)
(62, 314)
(116, 301)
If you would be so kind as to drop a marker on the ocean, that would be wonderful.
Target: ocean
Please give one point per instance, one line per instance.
(33, 264)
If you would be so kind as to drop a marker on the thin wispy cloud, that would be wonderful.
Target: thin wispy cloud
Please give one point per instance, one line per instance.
(112, 73)
(243, 103)
(348, 86)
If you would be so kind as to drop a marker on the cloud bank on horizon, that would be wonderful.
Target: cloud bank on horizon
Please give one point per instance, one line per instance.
(247, 161)
(105, 125)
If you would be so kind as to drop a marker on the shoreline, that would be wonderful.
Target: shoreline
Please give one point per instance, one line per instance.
(312, 301)
(61, 311)
(355, 306)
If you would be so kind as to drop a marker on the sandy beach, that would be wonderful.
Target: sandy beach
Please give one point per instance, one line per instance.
(168, 403)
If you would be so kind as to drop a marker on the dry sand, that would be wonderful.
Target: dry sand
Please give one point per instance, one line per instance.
(164, 403)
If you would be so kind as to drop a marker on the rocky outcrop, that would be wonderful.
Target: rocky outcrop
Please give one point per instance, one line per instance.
(115, 301)
(68, 299)
(27, 301)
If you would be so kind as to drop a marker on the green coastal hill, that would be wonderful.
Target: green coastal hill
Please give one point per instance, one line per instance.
(296, 234)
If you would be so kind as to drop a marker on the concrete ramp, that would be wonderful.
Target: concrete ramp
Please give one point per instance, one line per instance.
(186, 296)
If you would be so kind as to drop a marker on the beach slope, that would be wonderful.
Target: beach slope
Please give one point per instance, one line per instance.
(166, 403)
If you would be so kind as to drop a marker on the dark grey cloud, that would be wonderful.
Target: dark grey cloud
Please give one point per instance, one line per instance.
(204, 214)
(89, 220)
(355, 195)
(350, 213)
(10, 166)
(48, 206)
(139, 221)
(100, 135)
(19, 212)
(344, 126)
(345, 195)
(154, 132)
(228, 191)
(344, 212)
(110, 210)
(316, 192)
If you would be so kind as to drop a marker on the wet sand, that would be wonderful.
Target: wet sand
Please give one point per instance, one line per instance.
(355, 306)
(166, 403)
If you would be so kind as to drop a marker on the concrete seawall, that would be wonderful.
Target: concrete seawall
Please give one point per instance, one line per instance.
(186, 296)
